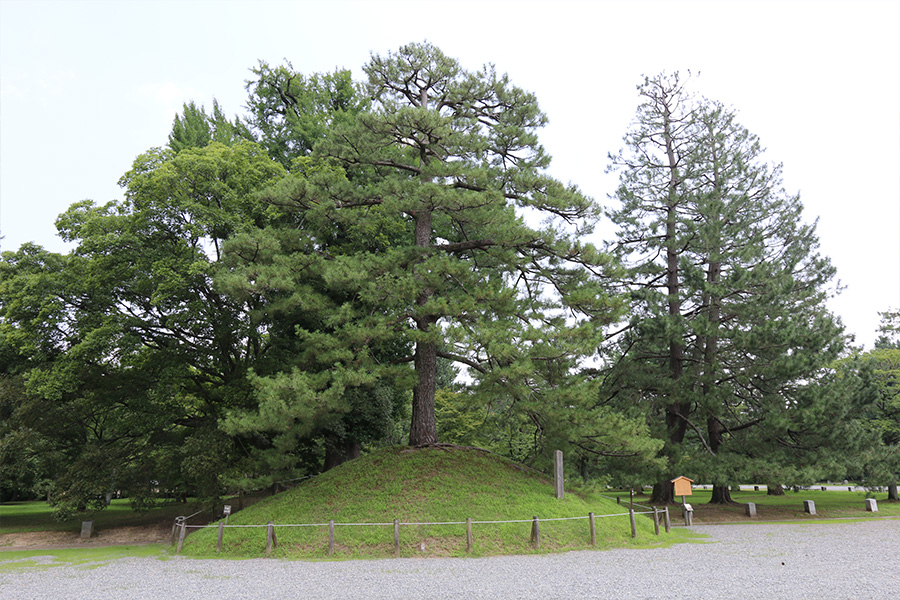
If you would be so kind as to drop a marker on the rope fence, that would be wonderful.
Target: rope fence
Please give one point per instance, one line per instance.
(182, 528)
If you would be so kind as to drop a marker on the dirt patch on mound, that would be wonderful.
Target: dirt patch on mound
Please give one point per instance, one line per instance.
(39, 540)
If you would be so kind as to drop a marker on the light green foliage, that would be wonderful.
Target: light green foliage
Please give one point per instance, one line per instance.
(195, 129)
(129, 350)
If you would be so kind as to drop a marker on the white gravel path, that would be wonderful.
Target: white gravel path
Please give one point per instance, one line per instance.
(851, 560)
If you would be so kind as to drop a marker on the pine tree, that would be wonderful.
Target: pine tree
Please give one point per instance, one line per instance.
(727, 285)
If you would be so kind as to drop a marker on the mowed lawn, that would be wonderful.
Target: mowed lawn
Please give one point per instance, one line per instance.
(17, 517)
(830, 504)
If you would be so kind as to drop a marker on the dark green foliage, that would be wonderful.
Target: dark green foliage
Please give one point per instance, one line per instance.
(730, 337)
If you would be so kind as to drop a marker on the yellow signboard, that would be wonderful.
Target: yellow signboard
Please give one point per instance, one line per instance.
(683, 486)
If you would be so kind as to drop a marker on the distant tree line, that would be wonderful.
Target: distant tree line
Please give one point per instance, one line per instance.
(356, 264)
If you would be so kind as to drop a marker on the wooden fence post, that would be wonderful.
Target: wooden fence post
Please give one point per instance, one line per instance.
(396, 537)
(633, 522)
(668, 523)
(181, 535)
(330, 537)
(656, 520)
(469, 541)
(221, 535)
(271, 540)
(558, 476)
(593, 529)
(536, 533)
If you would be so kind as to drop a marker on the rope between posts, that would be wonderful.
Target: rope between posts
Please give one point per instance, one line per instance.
(408, 524)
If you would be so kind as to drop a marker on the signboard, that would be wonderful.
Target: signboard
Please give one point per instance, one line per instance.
(683, 486)
(227, 509)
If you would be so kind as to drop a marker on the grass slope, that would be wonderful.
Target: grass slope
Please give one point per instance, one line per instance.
(424, 485)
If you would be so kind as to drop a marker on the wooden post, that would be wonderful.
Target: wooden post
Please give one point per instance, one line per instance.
(221, 535)
(535, 533)
(174, 531)
(396, 537)
(656, 520)
(271, 540)
(558, 474)
(593, 529)
(330, 537)
(667, 521)
(633, 522)
(469, 541)
(181, 535)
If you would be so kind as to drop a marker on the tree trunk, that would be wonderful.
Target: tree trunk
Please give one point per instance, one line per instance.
(774, 490)
(892, 493)
(423, 428)
(721, 494)
(663, 493)
(339, 451)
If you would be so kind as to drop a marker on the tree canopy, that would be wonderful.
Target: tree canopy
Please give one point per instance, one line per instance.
(351, 264)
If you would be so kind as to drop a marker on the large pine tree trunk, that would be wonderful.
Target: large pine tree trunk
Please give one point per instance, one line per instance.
(423, 428)
(721, 495)
(892, 493)
(663, 493)
(774, 490)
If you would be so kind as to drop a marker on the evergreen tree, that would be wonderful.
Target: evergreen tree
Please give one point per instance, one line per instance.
(727, 286)
(434, 182)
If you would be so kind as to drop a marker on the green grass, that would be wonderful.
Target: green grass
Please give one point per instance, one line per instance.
(424, 485)
(87, 558)
(829, 505)
(18, 517)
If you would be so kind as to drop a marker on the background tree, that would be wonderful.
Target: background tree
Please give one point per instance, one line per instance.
(880, 368)
(727, 288)
(290, 112)
(135, 356)
(195, 129)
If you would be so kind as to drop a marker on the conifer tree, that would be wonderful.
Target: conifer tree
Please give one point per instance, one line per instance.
(728, 288)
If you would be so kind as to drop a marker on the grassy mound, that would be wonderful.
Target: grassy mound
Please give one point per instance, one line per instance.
(422, 485)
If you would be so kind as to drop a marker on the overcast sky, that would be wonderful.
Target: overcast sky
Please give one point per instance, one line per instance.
(87, 86)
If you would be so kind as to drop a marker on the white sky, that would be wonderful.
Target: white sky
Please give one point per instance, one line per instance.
(87, 86)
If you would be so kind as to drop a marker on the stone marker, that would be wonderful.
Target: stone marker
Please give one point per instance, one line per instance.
(809, 506)
(871, 505)
(87, 529)
(751, 509)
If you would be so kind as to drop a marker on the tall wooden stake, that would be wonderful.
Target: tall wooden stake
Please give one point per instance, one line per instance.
(558, 474)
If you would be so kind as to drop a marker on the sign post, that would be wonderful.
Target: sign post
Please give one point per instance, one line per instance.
(683, 488)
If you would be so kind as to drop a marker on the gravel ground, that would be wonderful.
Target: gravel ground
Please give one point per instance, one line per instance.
(786, 561)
